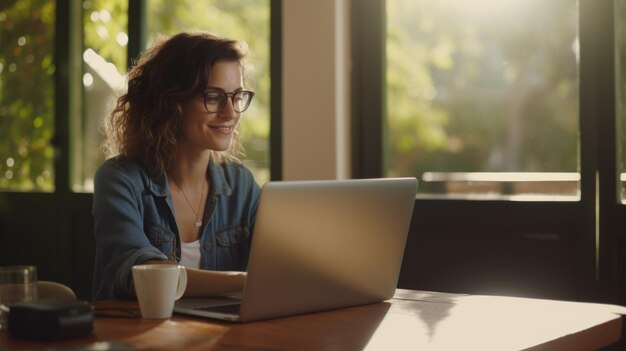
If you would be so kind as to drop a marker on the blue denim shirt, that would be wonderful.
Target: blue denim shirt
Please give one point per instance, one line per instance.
(134, 222)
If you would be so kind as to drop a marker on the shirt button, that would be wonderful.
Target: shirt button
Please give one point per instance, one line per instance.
(207, 246)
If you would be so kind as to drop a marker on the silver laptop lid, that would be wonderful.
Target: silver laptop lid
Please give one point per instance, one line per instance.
(320, 245)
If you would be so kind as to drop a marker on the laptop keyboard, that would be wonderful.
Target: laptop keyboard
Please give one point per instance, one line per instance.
(226, 309)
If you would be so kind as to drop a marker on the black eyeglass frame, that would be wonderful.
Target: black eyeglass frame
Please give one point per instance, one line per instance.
(225, 98)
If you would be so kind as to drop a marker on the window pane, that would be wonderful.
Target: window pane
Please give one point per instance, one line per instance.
(105, 37)
(482, 97)
(246, 20)
(26, 96)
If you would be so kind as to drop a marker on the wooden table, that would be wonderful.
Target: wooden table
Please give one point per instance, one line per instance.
(412, 320)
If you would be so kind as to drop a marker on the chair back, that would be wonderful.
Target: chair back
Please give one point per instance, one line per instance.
(55, 291)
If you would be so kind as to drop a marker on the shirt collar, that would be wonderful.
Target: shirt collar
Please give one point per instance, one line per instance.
(158, 185)
(218, 180)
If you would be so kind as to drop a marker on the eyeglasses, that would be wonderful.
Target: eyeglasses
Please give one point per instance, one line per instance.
(215, 100)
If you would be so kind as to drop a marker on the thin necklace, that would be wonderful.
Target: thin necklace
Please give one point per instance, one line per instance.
(198, 222)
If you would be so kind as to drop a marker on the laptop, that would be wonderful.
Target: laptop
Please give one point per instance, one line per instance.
(317, 246)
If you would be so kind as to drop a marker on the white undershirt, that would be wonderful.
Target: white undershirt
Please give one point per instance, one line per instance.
(190, 254)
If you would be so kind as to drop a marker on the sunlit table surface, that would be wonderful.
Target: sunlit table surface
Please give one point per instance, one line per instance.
(412, 320)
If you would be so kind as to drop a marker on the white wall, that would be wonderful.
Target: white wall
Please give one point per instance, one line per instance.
(316, 92)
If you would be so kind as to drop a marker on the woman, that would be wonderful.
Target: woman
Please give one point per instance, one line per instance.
(173, 189)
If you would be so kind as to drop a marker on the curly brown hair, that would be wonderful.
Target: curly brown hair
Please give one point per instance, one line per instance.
(144, 124)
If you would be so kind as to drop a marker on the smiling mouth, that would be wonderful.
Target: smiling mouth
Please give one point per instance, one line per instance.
(222, 129)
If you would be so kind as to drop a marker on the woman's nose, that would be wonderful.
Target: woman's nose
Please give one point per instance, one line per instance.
(228, 110)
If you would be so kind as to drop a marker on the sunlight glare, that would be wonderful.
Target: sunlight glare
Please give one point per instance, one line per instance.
(105, 70)
(94, 16)
(105, 16)
(87, 80)
(121, 38)
(387, 335)
(102, 31)
(491, 9)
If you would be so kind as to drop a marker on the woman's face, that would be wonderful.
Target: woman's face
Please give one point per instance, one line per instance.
(213, 130)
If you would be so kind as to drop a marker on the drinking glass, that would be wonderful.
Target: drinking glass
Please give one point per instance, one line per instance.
(17, 284)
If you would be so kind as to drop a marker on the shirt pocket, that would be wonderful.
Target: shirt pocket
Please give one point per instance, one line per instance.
(232, 247)
(161, 237)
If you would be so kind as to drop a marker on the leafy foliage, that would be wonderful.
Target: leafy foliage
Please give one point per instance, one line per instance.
(491, 86)
(26, 95)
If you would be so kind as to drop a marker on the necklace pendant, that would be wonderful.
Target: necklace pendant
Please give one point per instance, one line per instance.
(197, 223)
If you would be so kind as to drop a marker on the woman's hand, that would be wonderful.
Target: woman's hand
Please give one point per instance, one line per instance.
(203, 283)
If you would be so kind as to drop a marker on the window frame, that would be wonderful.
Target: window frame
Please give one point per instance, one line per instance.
(579, 231)
(65, 227)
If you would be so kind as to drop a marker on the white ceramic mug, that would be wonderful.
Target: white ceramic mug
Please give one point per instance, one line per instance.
(157, 287)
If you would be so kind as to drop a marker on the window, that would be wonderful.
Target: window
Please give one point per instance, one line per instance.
(105, 39)
(246, 20)
(104, 63)
(532, 247)
(482, 97)
(27, 96)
